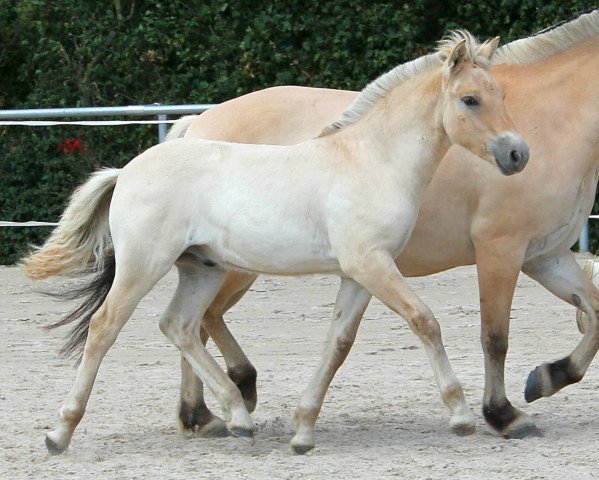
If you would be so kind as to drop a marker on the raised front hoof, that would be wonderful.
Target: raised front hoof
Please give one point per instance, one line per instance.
(535, 384)
(55, 447)
(549, 378)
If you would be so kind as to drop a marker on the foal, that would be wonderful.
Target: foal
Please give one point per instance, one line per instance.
(343, 203)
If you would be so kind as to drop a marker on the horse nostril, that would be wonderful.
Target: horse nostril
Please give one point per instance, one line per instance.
(515, 156)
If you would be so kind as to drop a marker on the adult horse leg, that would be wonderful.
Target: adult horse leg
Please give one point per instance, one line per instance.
(563, 277)
(194, 417)
(498, 267)
(378, 273)
(127, 289)
(351, 303)
(239, 368)
(197, 287)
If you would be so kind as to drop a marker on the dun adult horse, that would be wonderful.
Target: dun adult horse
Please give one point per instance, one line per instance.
(469, 215)
(344, 203)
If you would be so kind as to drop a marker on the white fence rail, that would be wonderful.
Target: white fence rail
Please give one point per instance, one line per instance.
(17, 117)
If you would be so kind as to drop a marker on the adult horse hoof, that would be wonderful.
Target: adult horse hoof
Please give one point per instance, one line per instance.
(54, 448)
(549, 378)
(534, 384)
(520, 432)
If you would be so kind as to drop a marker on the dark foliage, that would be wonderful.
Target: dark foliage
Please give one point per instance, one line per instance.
(87, 53)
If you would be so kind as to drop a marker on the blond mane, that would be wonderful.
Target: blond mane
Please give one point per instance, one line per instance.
(380, 87)
(550, 42)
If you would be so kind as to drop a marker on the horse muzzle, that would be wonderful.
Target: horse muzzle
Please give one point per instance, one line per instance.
(510, 152)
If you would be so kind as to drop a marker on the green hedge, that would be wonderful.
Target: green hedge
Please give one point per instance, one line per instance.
(88, 53)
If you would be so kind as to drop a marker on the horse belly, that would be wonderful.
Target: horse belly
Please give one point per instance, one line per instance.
(279, 251)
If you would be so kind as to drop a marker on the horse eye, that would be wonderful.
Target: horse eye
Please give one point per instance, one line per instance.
(469, 101)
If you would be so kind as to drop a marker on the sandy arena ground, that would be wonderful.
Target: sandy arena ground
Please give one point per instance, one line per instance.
(382, 418)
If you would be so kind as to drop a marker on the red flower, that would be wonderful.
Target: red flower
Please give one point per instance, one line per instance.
(69, 145)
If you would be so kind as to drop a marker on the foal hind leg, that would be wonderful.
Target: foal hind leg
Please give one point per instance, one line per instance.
(194, 417)
(498, 267)
(351, 303)
(196, 289)
(563, 277)
(106, 323)
(378, 273)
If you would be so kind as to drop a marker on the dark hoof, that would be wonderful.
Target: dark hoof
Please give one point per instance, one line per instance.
(216, 429)
(53, 447)
(534, 385)
(199, 422)
(463, 430)
(301, 449)
(242, 433)
(524, 431)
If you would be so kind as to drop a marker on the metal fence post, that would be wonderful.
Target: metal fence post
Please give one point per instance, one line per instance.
(162, 128)
(583, 241)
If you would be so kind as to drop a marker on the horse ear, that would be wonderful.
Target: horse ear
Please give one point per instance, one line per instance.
(488, 48)
(456, 56)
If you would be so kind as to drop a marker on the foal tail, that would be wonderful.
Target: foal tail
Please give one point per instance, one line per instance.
(180, 127)
(81, 244)
(82, 235)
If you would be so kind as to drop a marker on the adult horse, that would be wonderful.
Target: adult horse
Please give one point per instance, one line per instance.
(469, 215)
(370, 171)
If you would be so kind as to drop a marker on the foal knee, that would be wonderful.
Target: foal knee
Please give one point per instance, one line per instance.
(425, 325)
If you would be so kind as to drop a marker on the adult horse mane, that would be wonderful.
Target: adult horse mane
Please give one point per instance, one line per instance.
(549, 41)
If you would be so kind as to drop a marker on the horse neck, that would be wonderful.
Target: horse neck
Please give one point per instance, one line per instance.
(569, 96)
(404, 129)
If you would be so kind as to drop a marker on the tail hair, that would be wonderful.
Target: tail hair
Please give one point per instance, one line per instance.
(180, 127)
(82, 238)
(93, 291)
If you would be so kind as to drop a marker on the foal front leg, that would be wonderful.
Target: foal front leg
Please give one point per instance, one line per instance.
(563, 277)
(498, 267)
(378, 273)
(351, 303)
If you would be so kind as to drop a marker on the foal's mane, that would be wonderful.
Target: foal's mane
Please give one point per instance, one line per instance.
(550, 41)
(380, 87)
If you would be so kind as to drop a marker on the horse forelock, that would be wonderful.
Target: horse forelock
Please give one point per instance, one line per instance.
(382, 85)
(473, 47)
(550, 41)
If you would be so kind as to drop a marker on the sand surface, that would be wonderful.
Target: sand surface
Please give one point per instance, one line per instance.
(382, 417)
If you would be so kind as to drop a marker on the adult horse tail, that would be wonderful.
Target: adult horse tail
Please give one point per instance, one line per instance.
(180, 127)
(80, 244)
